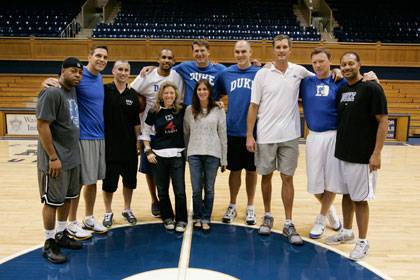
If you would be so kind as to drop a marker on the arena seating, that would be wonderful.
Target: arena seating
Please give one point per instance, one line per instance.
(372, 21)
(219, 20)
(44, 18)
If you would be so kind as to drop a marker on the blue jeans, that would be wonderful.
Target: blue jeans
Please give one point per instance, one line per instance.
(208, 165)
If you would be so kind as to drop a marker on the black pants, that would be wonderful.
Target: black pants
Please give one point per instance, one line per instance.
(171, 168)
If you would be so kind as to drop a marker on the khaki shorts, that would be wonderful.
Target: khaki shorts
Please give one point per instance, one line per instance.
(278, 156)
(92, 153)
(54, 191)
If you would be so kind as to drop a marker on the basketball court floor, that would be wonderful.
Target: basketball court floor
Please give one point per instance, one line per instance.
(147, 251)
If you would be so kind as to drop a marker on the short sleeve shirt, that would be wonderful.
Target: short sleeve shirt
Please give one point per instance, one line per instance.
(357, 107)
(59, 107)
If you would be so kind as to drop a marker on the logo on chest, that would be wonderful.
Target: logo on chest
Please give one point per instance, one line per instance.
(128, 102)
(348, 96)
(241, 83)
(322, 90)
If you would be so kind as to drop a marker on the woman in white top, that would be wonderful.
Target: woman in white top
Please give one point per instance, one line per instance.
(206, 142)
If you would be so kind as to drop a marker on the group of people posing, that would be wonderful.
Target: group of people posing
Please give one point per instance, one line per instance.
(170, 114)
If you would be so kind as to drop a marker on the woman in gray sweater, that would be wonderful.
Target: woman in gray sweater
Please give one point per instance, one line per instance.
(206, 142)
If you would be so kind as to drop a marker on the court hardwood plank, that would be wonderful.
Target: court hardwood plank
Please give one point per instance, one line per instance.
(394, 223)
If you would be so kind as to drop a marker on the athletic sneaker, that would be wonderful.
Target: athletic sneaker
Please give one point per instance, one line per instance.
(333, 219)
(250, 216)
(155, 209)
(91, 224)
(197, 224)
(64, 241)
(77, 232)
(359, 251)
(129, 216)
(205, 226)
(229, 215)
(169, 224)
(340, 238)
(52, 253)
(265, 228)
(107, 221)
(180, 226)
(318, 227)
(291, 234)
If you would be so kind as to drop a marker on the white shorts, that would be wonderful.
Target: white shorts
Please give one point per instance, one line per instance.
(359, 182)
(321, 164)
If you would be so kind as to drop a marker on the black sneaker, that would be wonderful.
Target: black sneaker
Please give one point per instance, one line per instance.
(52, 252)
(129, 216)
(64, 240)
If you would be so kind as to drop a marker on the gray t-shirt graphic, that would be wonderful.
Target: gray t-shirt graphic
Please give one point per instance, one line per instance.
(59, 107)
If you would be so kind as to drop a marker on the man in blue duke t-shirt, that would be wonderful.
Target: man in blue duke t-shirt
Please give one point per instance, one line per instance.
(201, 68)
(90, 99)
(319, 107)
(236, 82)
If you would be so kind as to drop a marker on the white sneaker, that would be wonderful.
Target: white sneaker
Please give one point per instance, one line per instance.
(229, 215)
(250, 216)
(318, 227)
(77, 232)
(359, 251)
(91, 224)
(333, 219)
(340, 238)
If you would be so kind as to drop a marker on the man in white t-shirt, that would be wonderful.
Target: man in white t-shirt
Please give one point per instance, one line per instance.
(274, 102)
(148, 86)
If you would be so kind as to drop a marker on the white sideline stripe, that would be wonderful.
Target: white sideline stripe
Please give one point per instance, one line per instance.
(184, 256)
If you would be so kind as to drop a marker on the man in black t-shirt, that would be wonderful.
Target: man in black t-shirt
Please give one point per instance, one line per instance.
(122, 127)
(362, 128)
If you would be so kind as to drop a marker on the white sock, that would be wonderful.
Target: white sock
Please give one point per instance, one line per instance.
(363, 240)
(288, 222)
(61, 226)
(250, 207)
(232, 205)
(125, 210)
(49, 234)
(347, 231)
(90, 218)
(268, 214)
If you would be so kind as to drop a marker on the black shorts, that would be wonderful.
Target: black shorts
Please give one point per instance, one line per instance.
(238, 156)
(127, 170)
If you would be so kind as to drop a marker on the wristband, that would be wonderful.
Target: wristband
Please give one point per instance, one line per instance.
(53, 159)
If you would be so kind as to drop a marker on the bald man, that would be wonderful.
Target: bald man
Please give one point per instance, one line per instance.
(236, 83)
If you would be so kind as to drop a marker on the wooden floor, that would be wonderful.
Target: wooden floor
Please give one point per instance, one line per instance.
(394, 232)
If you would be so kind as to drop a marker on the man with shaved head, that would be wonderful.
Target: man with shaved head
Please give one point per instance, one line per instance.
(236, 83)
(122, 127)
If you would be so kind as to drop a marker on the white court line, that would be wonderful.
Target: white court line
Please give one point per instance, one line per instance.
(184, 256)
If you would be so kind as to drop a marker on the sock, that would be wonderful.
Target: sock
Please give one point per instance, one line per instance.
(268, 214)
(110, 213)
(232, 205)
(363, 240)
(49, 234)
(61, 226)
(250, 207)
(90, 218)
(125, 210)
(288, 222)
(347, 231)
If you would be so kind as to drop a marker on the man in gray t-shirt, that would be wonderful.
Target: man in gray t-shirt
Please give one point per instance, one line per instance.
(59, 157)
